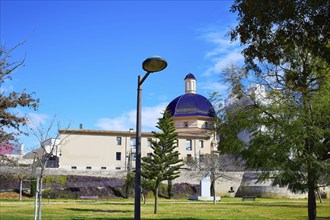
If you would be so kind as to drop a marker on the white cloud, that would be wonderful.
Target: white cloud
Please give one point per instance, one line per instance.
(213, 86)
(223, 55)
(223, 43)
(223, 61)
(127, 120)
(36, 120)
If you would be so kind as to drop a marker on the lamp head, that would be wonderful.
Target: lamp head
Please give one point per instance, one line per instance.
(154, 64)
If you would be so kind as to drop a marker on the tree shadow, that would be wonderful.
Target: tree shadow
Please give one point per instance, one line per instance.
(146, 218)
(119, 204)
(98, 210)
(252, 204)
(119, 211)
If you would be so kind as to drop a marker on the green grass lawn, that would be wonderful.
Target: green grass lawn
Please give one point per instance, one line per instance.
(228, 208)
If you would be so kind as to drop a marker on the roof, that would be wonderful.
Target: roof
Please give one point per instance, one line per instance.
(125, 133)
(191, 104)
(190, 76)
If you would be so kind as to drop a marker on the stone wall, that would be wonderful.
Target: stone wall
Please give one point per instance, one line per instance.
(234, 184)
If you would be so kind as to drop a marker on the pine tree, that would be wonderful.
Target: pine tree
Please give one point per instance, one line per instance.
(163, 163)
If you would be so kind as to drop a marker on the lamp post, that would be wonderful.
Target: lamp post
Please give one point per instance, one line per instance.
(150, 65)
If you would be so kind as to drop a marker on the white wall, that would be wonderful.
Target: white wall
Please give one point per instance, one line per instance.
(90, 149)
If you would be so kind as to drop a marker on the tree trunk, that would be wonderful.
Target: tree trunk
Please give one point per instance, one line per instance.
(156, 200)
(40, 198)
(20, 189)
(311, 194)
(40, 190)
(36, 201)
(213, 192)
(311, 205)
(212, 187)
(169, 189)
(309, 145)
(143, 197)
(214, 199)
(319, 195)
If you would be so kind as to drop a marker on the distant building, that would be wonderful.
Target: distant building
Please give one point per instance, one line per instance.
(13, 151)
(50, 148)
(193, 116)
(260, 95)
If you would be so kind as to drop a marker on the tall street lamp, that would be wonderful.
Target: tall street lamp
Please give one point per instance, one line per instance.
(150, 65)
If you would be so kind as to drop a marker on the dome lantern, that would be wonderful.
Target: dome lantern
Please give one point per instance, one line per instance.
(190, 84)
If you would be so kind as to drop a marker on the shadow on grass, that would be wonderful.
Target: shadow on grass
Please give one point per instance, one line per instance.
(119, 204)
(147, 218)
(98, 210)
(118, 211)
(270, 205)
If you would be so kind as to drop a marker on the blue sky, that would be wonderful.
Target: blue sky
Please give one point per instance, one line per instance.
(82, 58)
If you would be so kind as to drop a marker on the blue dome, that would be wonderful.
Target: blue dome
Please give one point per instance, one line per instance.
(190, 76)
(191, 104)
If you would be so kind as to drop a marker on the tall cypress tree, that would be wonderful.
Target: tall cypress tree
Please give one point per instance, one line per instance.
(163, 163)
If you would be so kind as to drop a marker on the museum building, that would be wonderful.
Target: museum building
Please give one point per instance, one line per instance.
(193, 117)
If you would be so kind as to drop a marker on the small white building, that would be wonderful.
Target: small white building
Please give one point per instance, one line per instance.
(12, 151)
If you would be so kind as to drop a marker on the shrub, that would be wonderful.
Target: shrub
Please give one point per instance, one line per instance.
(55, 181)
(33, 188)
(60, 194)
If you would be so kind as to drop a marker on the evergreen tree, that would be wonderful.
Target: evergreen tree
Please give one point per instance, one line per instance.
(163, 163)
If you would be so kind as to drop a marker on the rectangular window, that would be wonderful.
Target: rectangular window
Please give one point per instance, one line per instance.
(201, 144)
(149, 142)
(133, 143)
(118, 140)
(88, 168)
(188, 145)
(149, 155)
(118, 155)
(118, 168)
(103, 168)
(206, 125)
(185, 124)
(73, 168)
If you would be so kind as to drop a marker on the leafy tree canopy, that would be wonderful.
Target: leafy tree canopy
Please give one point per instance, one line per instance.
(273, 29)
(10, 121)
(279, 114)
